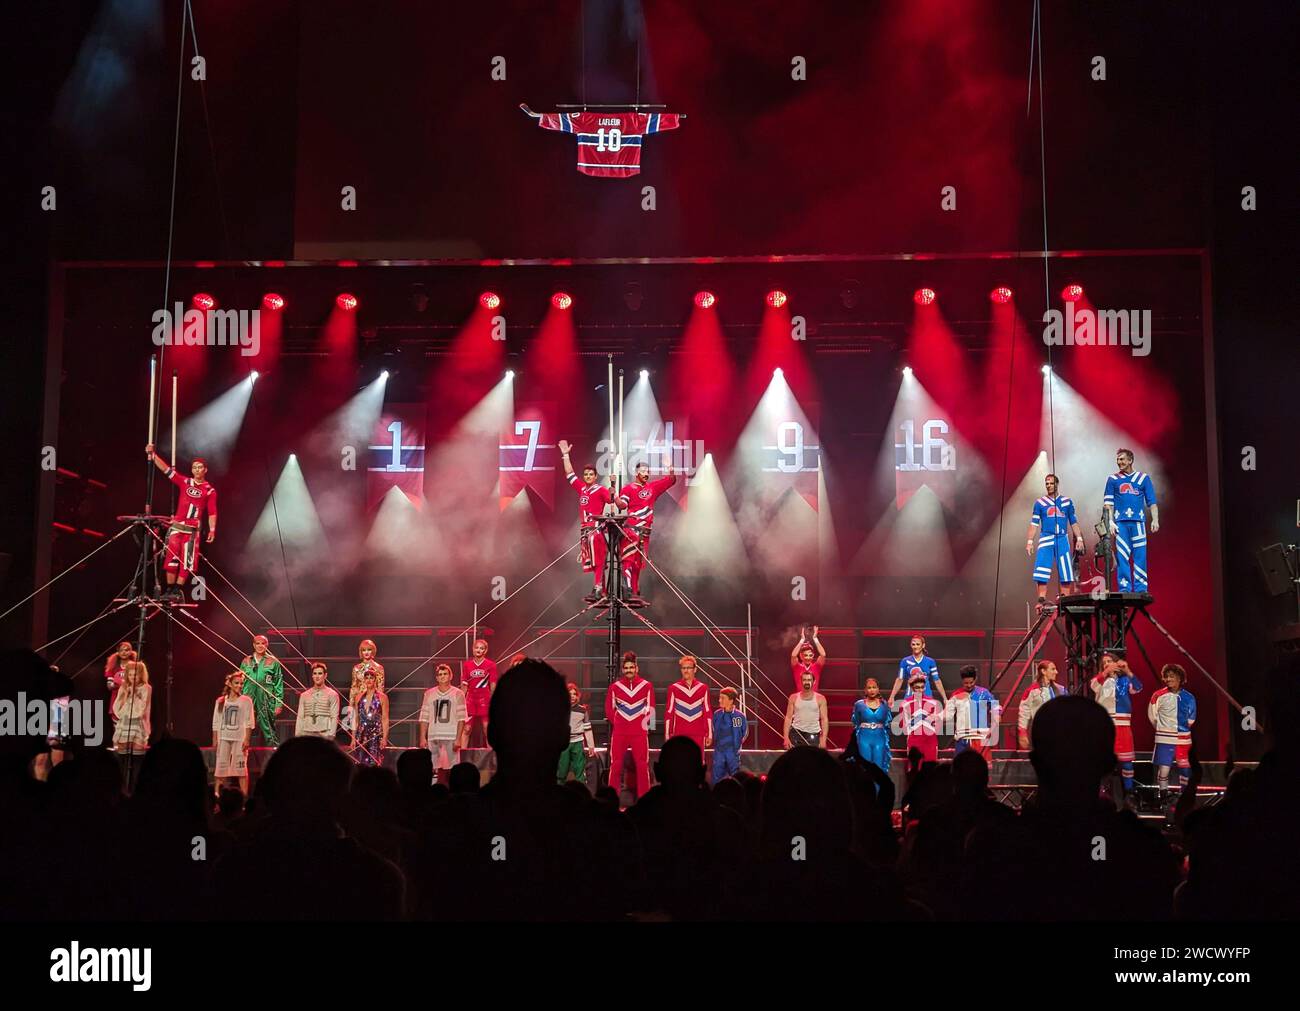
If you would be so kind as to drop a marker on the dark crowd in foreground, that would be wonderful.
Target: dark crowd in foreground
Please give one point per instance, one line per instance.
(322, 839)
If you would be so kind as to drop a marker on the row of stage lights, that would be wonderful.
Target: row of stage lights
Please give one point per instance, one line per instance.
(562, 300)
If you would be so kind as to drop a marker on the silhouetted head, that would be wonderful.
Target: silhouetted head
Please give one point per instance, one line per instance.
(528, 721)
(464, 778)
(806, 796)
(305, 780)
(174, 779)
(1074, 744)
(730, 793)
(415, 769)
(680, 765)
(970, 773)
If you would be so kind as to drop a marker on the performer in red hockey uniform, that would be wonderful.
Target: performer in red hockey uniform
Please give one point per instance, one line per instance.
(641, 495)
(197, 497)
(919, 718)
(630, 709)
(478, 677)
(687, 708)
(592, 502)
(804, 661)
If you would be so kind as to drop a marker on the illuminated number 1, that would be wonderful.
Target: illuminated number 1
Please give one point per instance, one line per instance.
(533, 428)
(909, 445)
(396, 429)
(789, 447)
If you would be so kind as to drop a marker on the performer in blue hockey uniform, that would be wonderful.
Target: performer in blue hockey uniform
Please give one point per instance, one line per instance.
(918, 660)
(871, 718)
(1050, 525)
(729, 730)
(1129, 494)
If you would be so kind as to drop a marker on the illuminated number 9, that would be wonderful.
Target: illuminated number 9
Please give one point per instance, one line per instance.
(789, 442)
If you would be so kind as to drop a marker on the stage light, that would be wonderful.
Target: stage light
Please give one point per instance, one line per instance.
(489, 300)
(510, 373)
(705, 299)
(777, 298)
(645, 374)
(1047, 370)
(1072, 293)
(1001, 295)
(293, 457)
(346, 301)
(252, 376)
(923, 296)
(384, 374)
(203, 301)
(272, 301)
(777, 373)
(907, 370)
(561, 300)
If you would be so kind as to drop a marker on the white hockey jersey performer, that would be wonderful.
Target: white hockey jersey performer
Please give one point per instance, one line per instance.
(1038, 694)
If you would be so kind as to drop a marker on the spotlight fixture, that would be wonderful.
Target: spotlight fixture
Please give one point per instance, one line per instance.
(347, 301)
(633, 296)
(419, 297)
(776, 298)
(778, 373)
(849, 292)
(561, 300)
(1047, 370)
(203, 301)
(1072, 293)
(489, 300)
(273, 302)
(384, 374)
(645, 373)
(510, 373)
(705, 299)
(1001, 295)
(907, 370)
(923, 296)
(252, 376)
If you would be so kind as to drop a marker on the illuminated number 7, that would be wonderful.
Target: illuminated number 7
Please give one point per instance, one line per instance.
(533, 428)
(396, 429)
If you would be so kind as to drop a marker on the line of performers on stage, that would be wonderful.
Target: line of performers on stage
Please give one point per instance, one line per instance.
(454, 717)
(1055, 539)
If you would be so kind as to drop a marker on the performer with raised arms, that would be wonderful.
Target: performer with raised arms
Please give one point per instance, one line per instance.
(803, 659)
(593, 500)
(197, 497)
(369, 654)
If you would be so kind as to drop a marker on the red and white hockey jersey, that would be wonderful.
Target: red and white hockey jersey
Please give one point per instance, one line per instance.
(630, 707)
(609, 143)
(687, 710)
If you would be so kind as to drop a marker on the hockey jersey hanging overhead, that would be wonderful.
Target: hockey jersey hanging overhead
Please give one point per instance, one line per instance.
(609, 143)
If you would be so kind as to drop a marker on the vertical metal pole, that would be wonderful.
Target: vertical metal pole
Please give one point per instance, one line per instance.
(745, 671)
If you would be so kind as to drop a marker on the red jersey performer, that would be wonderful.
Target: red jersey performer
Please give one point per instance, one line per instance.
(478, 677)
(919, 718)
(804, 661)
(641, 495)
(197, 497)
(593, 499)
(687, 712)
(630, 709)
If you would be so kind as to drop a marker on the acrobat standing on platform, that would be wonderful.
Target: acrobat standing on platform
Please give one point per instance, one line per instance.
(197, 497)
